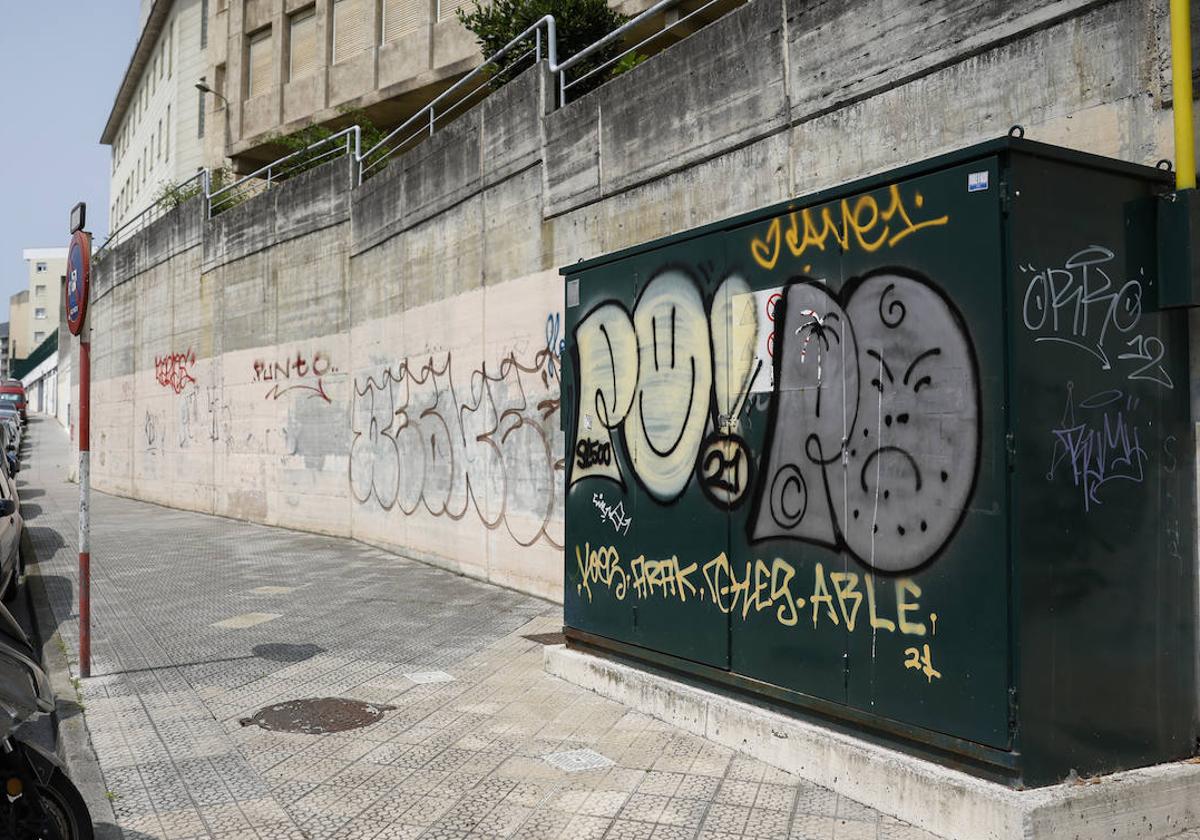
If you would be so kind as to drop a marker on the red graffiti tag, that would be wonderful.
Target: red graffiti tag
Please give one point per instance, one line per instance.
(174, 370)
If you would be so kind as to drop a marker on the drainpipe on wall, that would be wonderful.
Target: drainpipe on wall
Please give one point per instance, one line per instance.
(1181, 94)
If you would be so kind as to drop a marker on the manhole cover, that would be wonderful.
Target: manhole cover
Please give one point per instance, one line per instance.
(317, 716)
(282, 652)
(547, 638)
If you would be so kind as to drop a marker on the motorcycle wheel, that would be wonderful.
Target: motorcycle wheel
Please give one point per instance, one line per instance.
(66, 809)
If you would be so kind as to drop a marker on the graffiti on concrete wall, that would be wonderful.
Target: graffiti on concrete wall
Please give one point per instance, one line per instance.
(874, 436)
(174, 370)
(295, 373)
(489, 446)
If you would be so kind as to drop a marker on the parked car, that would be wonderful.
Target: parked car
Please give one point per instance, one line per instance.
(11, 562)
(13, 393)
(10, 421)
(10, 415)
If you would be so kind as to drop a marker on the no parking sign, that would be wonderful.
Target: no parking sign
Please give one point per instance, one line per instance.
(79, 269)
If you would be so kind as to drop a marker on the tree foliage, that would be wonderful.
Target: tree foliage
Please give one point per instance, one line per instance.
(579, 23)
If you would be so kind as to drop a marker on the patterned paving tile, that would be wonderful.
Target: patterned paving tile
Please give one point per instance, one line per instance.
(461, 753)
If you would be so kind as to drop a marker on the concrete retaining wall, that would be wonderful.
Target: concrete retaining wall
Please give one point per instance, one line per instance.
(382, 362)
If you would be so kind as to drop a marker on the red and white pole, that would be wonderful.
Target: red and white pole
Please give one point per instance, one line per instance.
(85, 553)
(79, 270)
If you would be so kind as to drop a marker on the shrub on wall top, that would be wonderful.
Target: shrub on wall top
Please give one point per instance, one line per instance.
(579, 24)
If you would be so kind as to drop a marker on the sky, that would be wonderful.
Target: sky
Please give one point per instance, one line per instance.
(60, 64)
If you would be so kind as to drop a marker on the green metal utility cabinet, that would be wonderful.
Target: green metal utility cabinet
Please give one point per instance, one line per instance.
(912, 457)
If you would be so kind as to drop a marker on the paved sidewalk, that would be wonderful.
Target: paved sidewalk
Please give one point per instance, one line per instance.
(199, 622)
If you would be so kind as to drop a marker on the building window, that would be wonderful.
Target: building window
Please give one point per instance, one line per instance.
(200, 111)
(400, 17)
(40, 268)
(302, 43)
(349, 29)
(219, 87)
(39, 291)
(40, 313)
(258, 63)
(170, 49)
(160, 139)
(203, 24)
(167, 139)
(38, 338)
(447, 8)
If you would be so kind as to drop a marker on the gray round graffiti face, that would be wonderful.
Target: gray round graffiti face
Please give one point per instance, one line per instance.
(876, 433)
(912, 459)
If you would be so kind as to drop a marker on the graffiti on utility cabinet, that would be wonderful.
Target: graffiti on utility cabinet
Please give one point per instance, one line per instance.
(668, 379)
(873, 437)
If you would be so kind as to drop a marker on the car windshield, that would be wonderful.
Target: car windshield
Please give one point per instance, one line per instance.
(10, 397)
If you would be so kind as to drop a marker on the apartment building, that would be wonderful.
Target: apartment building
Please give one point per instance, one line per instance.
(4, 350)
(33, 313)
(156, 126)
(18, 327)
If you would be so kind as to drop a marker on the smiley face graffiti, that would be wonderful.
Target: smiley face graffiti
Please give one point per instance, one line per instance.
(664, 378)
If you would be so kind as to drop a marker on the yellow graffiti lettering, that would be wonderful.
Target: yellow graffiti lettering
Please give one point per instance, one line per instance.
(821, 596)
(922, 661)
(762, 587)
(766, 253)
(666, 576)
(788, 612)
(872, 228)
(600, 565)
(759, 586)
(845, 584)
(904, 588)
(896, 208)
(877, 623)
(712, 579)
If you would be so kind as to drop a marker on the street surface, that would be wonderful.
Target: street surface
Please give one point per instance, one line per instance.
(201, 622)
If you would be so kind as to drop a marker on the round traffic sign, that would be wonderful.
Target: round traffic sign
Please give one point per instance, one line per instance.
(79, 269)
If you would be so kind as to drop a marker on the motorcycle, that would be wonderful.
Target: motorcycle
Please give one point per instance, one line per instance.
(37, 800)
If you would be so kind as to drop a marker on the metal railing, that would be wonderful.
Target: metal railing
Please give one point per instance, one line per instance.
(616, 34)
(346, 142)
(423, 123)
(469, 89)
(194, 186)
(426, 119)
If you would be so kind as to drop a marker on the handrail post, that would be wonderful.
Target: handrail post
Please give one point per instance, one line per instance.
(431, 121)
(538, 50)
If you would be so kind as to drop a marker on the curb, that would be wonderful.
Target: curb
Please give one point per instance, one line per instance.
(73, 742)
(1150, 803)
